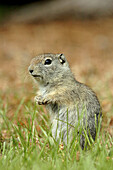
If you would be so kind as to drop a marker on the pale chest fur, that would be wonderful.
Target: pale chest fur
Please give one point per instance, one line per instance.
(60, 115)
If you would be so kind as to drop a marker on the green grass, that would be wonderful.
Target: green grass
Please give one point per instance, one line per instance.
(22, 146)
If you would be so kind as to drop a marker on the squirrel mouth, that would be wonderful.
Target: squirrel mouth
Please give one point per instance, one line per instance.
(37, 76)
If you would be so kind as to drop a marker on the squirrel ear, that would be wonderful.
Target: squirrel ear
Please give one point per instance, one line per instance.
(62, 58)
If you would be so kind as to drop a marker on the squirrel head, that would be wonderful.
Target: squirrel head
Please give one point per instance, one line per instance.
(49, 68)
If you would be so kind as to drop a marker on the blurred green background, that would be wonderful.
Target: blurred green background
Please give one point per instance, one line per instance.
(6, 7)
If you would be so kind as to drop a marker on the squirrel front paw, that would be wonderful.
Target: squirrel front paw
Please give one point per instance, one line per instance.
(41, 101)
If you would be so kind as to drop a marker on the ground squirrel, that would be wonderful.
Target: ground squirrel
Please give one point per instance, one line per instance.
(61, 93)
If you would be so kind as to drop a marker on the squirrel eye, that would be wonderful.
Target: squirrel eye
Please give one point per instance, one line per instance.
(48, 62)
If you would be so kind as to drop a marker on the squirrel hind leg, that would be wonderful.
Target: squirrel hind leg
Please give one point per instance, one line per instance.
(83, 139)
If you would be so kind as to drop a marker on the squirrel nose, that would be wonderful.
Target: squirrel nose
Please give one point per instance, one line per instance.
(31, 71)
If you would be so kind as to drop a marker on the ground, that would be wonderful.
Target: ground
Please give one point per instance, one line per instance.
(87, 44)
